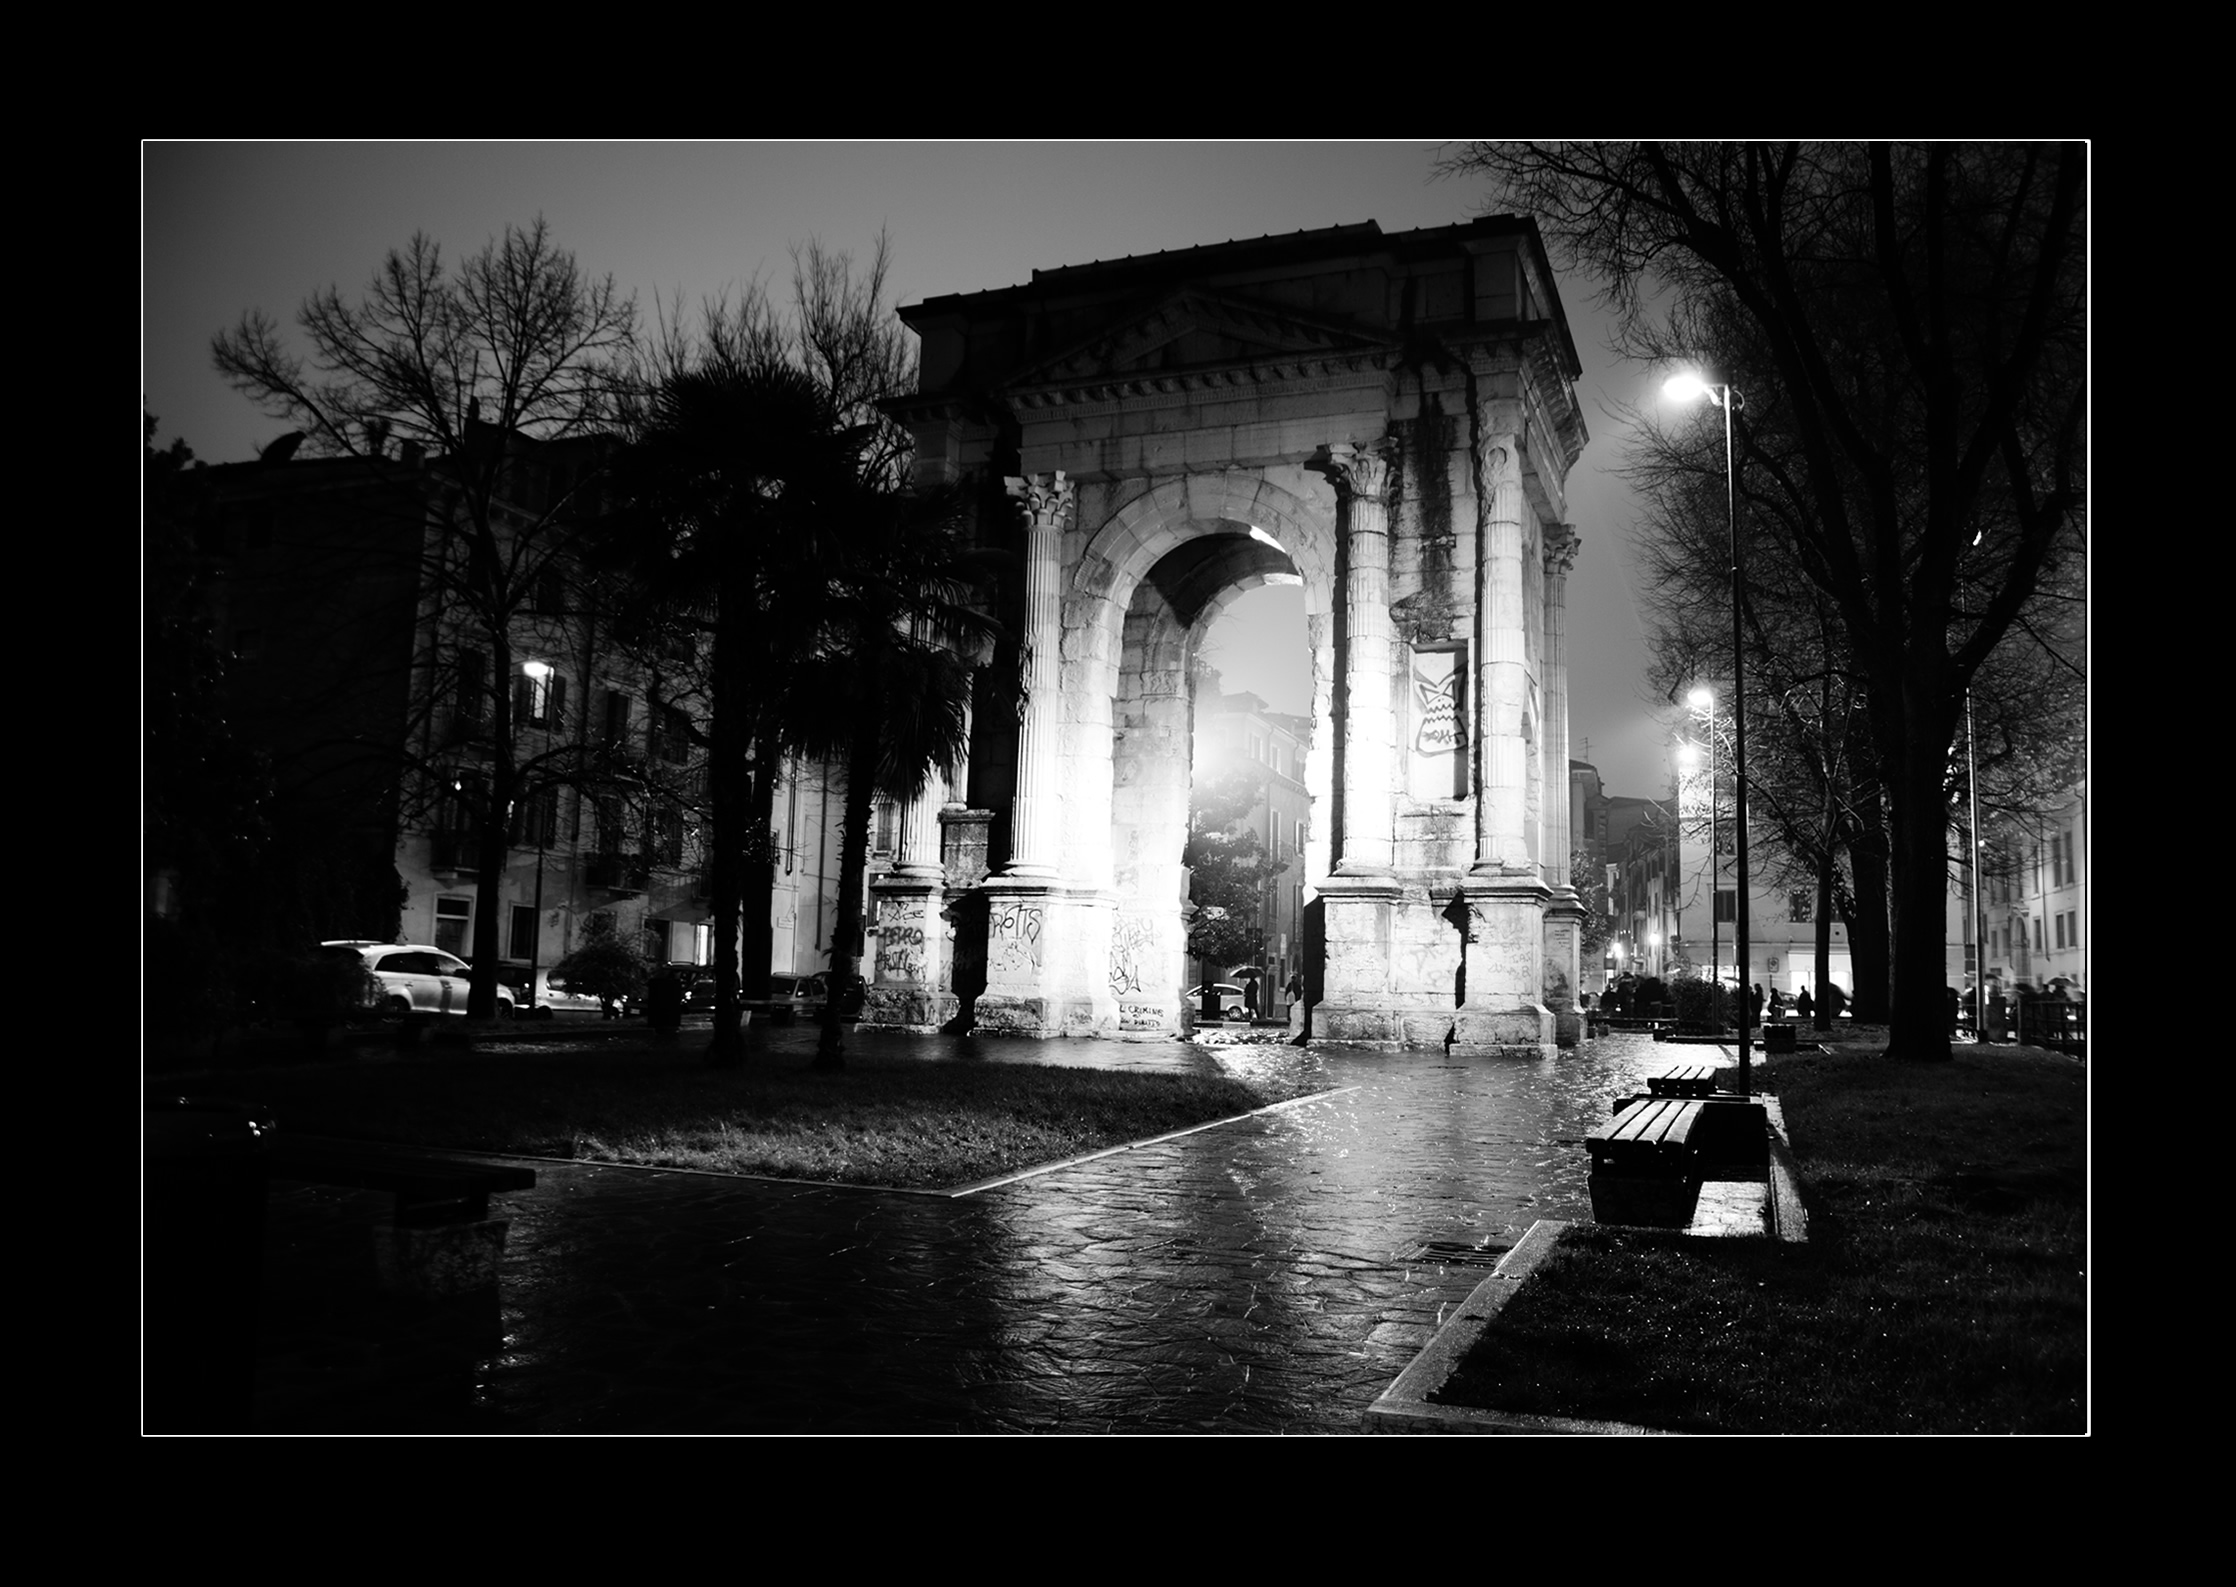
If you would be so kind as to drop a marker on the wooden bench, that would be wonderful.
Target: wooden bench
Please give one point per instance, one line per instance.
(1645, 1167)
(1686, 1080)
(430, 1191)
(441, 1246)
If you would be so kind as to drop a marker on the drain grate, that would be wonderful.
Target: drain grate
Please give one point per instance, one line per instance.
(1451, 1253)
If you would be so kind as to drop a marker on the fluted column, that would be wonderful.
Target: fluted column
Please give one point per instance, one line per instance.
(916, 853)
(1561, 545)
(1047, 500)
(1370, 731)
(1501, 806)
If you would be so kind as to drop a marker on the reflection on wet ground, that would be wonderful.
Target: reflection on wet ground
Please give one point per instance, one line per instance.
(1263, 1276)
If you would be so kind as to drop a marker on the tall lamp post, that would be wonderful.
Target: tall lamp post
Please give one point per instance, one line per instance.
(1705, 700)
(1686, 388)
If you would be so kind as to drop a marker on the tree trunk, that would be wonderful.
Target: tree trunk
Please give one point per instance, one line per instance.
(846, 935)
(1870, 944)
(731, 800)
(756, 930)
(1919, 1023)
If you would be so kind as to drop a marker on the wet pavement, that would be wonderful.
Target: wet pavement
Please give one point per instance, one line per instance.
(1263, 1276)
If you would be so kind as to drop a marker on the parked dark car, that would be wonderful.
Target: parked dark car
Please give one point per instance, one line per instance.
(697, 981)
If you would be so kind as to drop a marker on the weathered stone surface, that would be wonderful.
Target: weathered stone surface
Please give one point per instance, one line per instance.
(1355, 406)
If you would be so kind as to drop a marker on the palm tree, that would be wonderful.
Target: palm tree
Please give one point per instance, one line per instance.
(738, 490)
(894, 687)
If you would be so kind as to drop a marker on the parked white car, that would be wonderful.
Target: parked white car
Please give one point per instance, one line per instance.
(1230, 999)
(411, 978)
(552, 996)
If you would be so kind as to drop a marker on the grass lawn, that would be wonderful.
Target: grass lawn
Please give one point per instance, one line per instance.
(1943, 1288)
(880, 1121)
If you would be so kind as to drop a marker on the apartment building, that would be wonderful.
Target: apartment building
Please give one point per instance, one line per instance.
(355, 665)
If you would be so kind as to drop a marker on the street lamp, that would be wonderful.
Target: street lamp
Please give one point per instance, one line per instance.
(1686, 388)
(1704, 699)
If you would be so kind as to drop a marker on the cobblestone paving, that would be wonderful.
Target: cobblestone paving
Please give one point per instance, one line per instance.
(1262, 1276)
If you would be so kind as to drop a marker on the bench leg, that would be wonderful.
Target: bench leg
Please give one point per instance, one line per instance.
(444, 1260)
(1648, 1201)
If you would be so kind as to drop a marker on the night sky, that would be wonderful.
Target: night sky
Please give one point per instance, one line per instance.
(234, 226)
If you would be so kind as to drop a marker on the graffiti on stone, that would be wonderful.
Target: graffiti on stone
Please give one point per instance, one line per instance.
(1439, 750)
(1014, 936)
(1130, 946)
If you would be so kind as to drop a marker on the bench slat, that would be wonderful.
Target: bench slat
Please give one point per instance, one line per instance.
(1658, 1128)
(428, 1190)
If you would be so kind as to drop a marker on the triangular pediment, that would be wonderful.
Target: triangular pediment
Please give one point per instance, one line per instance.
(1195, 328)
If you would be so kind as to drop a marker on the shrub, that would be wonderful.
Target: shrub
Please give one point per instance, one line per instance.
(604, 966)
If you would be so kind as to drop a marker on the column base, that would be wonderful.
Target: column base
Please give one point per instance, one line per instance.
(1525, 1032)
(1047, 961)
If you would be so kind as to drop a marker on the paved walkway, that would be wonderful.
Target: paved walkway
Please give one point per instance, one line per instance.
(1264, 1276)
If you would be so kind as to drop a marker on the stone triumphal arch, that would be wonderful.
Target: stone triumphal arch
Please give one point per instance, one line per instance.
(1387, 419)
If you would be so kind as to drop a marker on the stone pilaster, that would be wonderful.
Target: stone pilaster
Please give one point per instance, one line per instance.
(1564, 911)
(1370, 729)
(1047, 500)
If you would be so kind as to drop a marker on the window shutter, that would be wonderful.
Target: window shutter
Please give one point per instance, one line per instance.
(523, 699)
(558, 702)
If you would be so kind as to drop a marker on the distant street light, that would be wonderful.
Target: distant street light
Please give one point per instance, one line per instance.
(1687, 388)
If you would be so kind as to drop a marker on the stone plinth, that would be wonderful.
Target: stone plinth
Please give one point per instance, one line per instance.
(1047, 961)
(911, 988)
(1503, 1012)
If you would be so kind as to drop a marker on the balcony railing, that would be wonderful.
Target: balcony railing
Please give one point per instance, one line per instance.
(619, 873)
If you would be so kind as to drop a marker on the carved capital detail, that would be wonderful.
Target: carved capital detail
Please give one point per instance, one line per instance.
(1365, 473)
(1561, 545)
(1047, 498)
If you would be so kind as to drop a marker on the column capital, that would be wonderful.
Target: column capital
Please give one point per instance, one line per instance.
(1500, 454)
(1048, 498)
(1561, 545)
(1364, 473)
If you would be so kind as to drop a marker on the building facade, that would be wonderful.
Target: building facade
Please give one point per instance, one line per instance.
(354, 665)
(2036, 904)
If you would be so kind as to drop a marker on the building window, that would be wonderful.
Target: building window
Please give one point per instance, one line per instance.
(656, 942)
(535, 820)
(613, 832)
(452, 915)
(523, 945)
(675, 735)
(881, 841)
(668, 828)
(539, 695)
(1727, 905)
(473, 676)
(617, 720)
(551, 593)
(1800, 907)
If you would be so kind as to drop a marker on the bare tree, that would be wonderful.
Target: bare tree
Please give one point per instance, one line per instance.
(1920, 313)
(471, 369)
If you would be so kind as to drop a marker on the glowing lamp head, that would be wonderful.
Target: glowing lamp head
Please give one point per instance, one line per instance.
(1687, 387)
(1701, 700)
